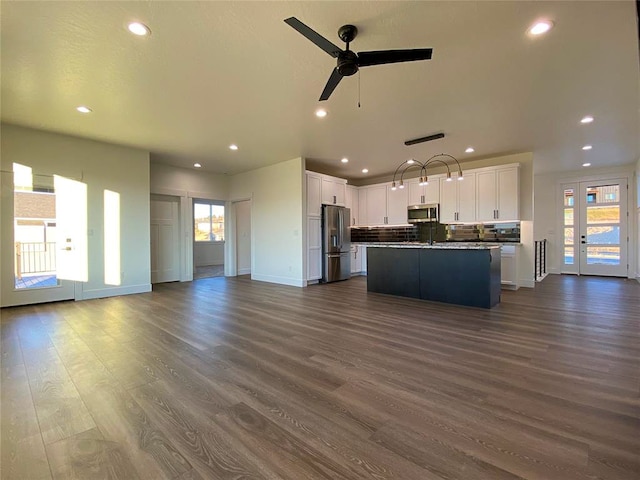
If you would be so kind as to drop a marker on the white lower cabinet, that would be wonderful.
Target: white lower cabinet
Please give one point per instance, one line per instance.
(509, 266)
(356, 263)
(314, 248)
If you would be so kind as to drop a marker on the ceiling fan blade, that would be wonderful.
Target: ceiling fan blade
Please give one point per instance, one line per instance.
(331, 85)
(366, 59)
(314, 36)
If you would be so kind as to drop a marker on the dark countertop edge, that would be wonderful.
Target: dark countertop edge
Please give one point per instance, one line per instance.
(439, 246)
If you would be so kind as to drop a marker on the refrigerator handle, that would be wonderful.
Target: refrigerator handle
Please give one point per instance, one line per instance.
(340, 227)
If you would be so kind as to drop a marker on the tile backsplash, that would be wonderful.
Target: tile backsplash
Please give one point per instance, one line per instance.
(498, 232)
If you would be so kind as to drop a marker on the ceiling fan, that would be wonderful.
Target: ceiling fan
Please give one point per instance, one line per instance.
(349, 61)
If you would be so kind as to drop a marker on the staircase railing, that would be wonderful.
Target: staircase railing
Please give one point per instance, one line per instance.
(540, 259)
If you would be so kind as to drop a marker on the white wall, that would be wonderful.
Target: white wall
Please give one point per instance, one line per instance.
(276, 192)
(548, 215)
(637, 173)
(101, 166)
(206, 253)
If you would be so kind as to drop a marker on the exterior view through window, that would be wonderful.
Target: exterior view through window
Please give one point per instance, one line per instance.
(208, 222)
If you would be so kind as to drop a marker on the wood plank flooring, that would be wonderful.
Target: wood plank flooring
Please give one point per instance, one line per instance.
(229, 378)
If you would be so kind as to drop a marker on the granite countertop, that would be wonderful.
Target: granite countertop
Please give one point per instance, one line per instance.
(439, 246)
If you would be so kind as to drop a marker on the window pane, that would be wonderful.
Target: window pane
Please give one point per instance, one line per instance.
(603, 194)
(568, 236)
(605, 214)
(217, 221)
(568, 255)
(604, 235)
(568, 197)
(603, 255)
(202, 222)
(568, 216)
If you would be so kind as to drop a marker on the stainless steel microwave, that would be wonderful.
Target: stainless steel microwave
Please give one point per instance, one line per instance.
(424, 213)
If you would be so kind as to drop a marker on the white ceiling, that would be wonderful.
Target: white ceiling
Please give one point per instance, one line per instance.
(216, 73)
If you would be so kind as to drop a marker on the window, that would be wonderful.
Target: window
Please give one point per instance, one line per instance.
(208, 225)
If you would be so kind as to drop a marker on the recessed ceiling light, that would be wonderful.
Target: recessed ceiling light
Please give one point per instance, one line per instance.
(469, 150)
(365, 170)
(197, 165)
(321, 113)
(587, 147)
(233, 146)
(587, 119)
(139, 29)
(540, 27)
(345, 160)
(83, 109)
(586, 164)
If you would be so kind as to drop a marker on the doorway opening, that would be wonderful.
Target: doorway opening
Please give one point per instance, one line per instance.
(208, 238)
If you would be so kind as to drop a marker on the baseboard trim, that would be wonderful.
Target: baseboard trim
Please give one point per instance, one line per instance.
(244, 271)
(115, 291)
(294, 282)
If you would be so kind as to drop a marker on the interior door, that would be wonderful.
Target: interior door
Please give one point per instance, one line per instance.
(165, 239)
(44, 221)
(595, 228)
(603, 228)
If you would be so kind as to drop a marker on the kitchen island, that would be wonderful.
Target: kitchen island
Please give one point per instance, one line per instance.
(451, 273)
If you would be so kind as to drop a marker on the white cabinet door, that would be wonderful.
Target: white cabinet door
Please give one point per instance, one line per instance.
(466, 198)
(314, 248)
(432, 191)
(355, 259)
(363, 260)
(340, 192)
(448, 201)
(416, 192)
(314, 197)
(376, 205)
(333, 191)
(486, 183)
(397, 202)
(458, 199)
(508, 201)
(509, 266)
(362, 206)
(352, 203)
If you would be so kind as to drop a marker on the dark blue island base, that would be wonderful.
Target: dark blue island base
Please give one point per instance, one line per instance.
(452, 275)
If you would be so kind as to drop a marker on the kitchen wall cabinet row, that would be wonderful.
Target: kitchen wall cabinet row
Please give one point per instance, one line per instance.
(483, 195)
(324, 190)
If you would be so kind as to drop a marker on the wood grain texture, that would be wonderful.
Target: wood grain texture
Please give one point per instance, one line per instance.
(229, 378)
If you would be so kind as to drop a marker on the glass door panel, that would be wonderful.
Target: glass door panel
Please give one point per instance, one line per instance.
(603, 238)
(569, 258)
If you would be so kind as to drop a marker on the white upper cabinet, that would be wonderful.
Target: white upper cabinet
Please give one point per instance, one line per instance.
(458, 199)
(352, 203)
(420, 194)
(314, 196)
(375, 208)
(397, 202)
(333, 190)
(498, 194)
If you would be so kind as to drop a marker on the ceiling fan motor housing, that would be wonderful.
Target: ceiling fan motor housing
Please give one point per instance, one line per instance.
(347, 63)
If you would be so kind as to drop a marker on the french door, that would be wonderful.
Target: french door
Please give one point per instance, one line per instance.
(595, 227)
(44, 224)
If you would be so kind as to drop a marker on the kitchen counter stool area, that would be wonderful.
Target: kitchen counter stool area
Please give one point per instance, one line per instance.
(462, 276)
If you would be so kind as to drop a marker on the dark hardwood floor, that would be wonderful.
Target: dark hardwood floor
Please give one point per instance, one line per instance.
(229, 378)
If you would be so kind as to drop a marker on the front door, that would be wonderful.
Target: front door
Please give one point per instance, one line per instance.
(44, 223)
(595, 228)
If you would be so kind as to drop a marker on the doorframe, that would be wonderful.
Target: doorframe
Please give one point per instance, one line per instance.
(231, 246)
(633, 229)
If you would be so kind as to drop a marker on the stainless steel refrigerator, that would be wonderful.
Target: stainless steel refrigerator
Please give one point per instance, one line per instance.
(336, 242)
